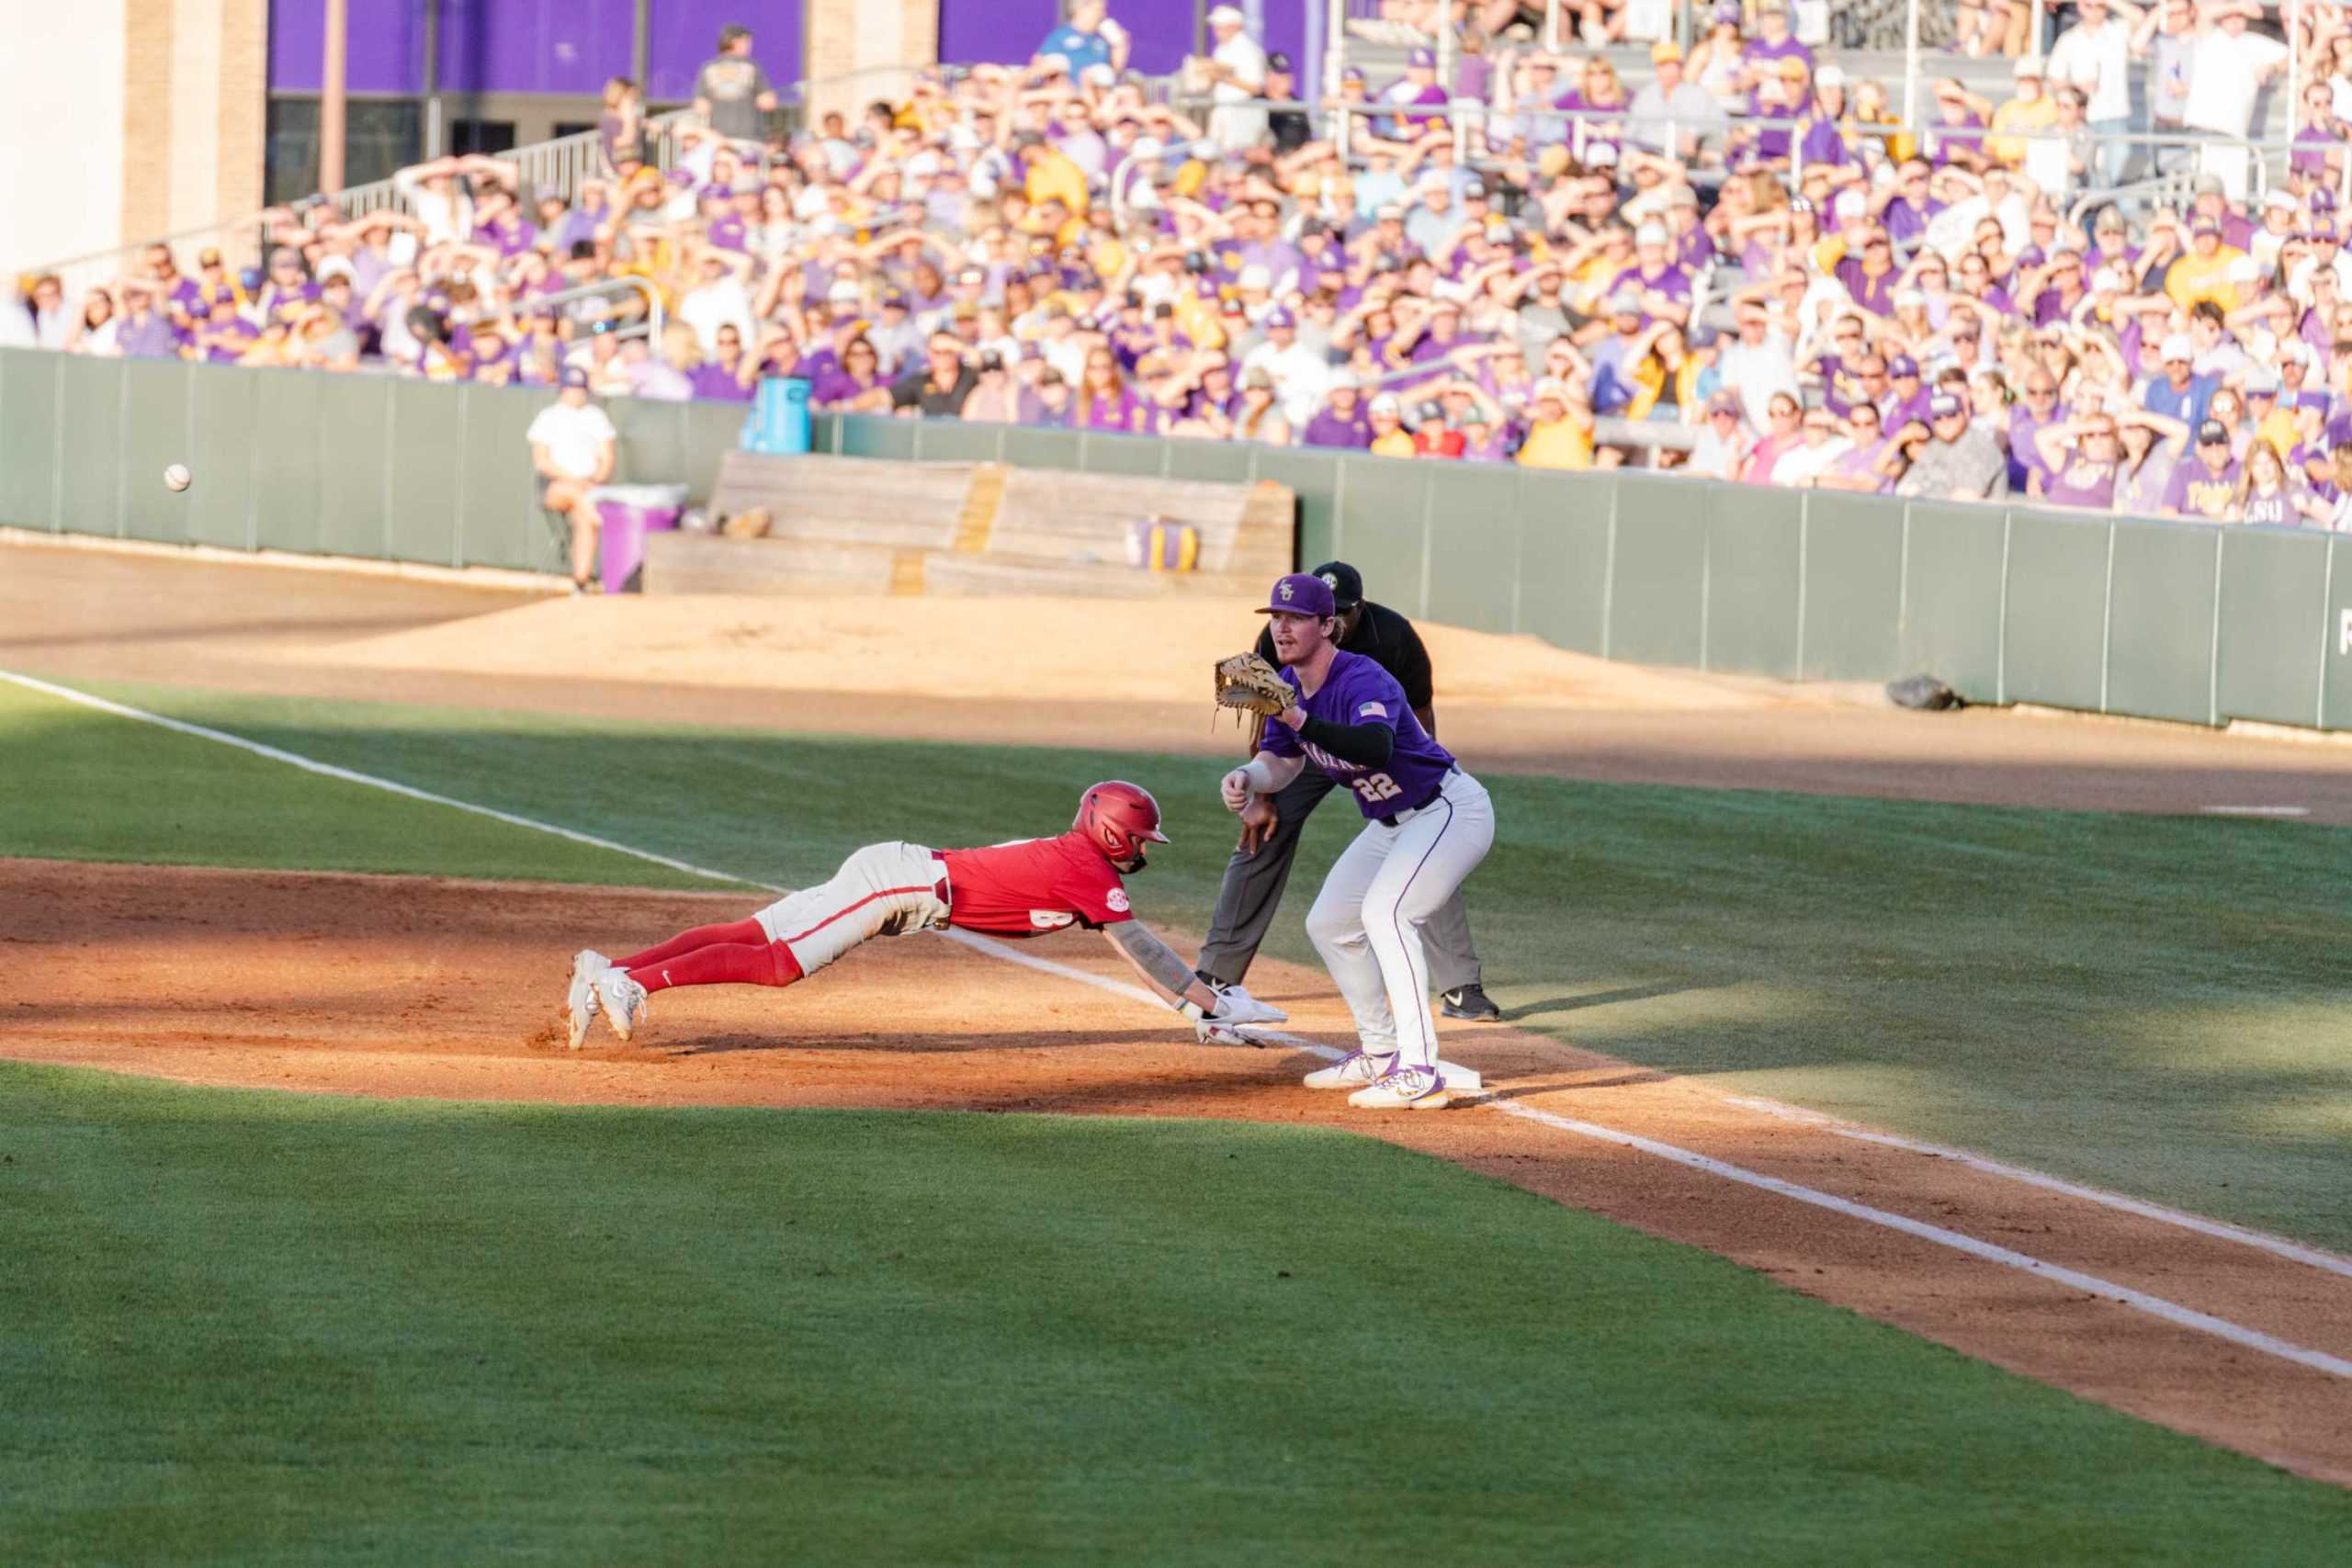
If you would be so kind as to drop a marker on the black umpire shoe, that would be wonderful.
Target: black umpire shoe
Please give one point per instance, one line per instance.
(1470, 1001)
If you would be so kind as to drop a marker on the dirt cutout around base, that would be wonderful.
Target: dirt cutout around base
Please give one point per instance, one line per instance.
(400, 987)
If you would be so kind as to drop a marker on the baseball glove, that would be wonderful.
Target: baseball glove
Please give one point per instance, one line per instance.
(1247, 684)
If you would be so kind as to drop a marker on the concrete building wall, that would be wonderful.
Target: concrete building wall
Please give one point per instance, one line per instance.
(62, 81)
(128, 121)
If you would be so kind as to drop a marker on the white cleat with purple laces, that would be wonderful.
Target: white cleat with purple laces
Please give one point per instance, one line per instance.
(1354, 1070)
(1404, 1089)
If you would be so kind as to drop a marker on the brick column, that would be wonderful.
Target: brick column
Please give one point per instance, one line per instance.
(847, 36)
(194, 114)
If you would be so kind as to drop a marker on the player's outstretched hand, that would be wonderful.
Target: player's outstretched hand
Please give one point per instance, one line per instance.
(1236, 789)
(1236, 1005)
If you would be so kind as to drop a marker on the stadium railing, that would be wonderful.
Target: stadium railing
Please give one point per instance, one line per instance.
(2005, 604)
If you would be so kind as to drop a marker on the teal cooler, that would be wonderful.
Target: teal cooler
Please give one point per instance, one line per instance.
(777, 426)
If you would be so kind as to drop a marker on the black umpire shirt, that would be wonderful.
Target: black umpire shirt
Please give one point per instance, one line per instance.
(1388, 640)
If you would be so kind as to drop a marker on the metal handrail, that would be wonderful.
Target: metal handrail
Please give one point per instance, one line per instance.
(654, 318)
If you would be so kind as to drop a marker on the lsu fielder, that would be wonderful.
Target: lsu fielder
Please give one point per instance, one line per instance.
(1427, 826)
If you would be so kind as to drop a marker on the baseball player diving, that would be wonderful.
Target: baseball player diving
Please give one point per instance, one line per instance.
(1023, 888)
(1427, 826)
(1260, 869)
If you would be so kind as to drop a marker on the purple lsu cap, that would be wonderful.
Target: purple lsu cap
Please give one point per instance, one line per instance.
(1422, 58)
(1902, 365)
(1279, 317)
(1300, 593)
(574, 377)
(1943, 405)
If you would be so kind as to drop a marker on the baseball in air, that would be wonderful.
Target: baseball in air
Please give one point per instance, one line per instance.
(176, 477)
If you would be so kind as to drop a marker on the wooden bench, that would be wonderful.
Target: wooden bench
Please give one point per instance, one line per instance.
(865, 526)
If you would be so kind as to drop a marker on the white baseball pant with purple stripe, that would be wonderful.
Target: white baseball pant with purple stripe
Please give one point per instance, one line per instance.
(1367, 920)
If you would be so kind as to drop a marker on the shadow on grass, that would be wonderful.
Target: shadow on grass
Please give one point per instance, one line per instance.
(1606, 998)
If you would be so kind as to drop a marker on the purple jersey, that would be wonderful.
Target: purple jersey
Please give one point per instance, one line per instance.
(1358, 691)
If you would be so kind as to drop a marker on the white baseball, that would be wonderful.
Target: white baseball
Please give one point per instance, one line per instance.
(176, 477)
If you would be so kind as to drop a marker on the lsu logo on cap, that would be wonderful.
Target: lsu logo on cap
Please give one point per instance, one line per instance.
(1288, 593)
(1331, 580)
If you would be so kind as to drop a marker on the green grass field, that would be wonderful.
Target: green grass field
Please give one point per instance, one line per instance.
(2153, 1004)
(243, 1327)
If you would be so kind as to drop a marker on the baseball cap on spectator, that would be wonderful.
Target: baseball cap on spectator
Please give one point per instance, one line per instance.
(1943, 405)
(1624, 302)
(1147, 148)
(1902, 365)
(2280, 199)
(1353, 74)
(574, 377)
(1601, 156)
(841, 294)
(2213, 432)
(1475, 191)
(1650, 233)
(1386, 403)
(1278, 60)
(207, 257)
(1905, 298)
(1421, 60)
(2205, 225)
(1389, 213)
(2027, 68)
(991, 360)
(1829, 76)
(2178, 346)
(1664, 51)
(1850, 206)
(2261, 383)
(1550, 387)
(1724, 403)
(2321, 229)
(1279, 317)
(2108, 279)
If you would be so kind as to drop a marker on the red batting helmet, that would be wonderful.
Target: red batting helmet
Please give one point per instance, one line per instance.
(1116, 817)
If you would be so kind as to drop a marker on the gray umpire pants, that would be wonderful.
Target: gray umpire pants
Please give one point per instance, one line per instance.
(1253, 886)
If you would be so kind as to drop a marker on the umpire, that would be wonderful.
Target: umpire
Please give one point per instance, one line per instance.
(1255, 877)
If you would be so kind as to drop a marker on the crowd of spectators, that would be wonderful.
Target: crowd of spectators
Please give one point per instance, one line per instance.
(1741, 263)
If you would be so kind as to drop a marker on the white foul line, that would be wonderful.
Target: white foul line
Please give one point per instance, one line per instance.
(2155, 1307)
(2178, 1218)
(2091, 1284)
(2257, 811)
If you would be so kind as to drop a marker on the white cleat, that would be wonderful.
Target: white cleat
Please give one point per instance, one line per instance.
(1404, 1089)
(580, 1001)
(623, 999)
(1353, 1071)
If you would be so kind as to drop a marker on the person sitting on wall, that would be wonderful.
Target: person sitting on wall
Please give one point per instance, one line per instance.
(572, 446)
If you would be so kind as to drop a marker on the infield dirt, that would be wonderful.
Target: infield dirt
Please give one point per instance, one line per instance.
(440, 988)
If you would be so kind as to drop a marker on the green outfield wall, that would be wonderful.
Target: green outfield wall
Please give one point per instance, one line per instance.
(2009, 605)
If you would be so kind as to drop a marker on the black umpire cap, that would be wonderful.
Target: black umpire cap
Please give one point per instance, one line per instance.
(1346, 583)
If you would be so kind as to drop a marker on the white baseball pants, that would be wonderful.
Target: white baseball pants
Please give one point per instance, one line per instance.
(1367, 920)
(880, 890)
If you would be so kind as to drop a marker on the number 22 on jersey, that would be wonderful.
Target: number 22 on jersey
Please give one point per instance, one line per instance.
(1375, 787)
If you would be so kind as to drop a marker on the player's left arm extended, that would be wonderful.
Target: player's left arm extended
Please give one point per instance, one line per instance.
(1174, 980)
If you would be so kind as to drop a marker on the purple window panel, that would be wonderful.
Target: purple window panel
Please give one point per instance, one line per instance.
(685, 33)
(534, 46)
(972, 32)
(384, 46)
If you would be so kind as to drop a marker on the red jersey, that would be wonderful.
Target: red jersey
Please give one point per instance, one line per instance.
(1031, 887)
